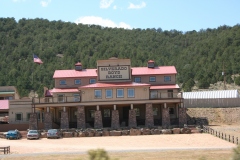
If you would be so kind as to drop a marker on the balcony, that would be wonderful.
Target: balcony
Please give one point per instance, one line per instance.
(164, 95)
(62, 99)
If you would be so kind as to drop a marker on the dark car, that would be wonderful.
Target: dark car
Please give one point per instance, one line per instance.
(53, 133)
(13, 134)
(33, 134)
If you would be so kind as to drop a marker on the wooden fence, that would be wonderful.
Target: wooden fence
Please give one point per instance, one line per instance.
(221, 135)
(213, 103)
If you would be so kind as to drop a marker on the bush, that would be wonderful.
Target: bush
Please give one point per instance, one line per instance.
(236, 151)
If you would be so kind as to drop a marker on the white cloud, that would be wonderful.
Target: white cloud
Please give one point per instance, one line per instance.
(105, 3)
(115, 7)
(45, 3)
(102, 22)
(137, 6)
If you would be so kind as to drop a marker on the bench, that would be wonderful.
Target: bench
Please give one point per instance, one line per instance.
(5, 149)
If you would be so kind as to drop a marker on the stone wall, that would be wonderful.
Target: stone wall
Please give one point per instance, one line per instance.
(64, 120)
(182, 116)
(132, 118)
(165, 117)
(81, 117)
(115, 119)
(47, 121)
(149, 116)
(98, 119)
(213, 115)
(33, 123)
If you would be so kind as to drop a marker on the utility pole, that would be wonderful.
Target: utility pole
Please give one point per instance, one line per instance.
(224, 77)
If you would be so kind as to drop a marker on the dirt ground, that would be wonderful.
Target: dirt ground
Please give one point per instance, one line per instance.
(189, 146)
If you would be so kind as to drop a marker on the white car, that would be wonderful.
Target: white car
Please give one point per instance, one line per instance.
(33, 134)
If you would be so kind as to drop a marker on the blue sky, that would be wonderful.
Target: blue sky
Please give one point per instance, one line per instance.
(182, 15)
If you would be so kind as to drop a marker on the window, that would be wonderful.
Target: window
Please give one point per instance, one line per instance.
(18, 117)
(77, 81)
(153, 94)
(28, 116)
(78, 68)
(92, 113)
(109, 93)
(152, 79)
(106, 113)
(170, 93)
(171, 110)
(131, 92)
(155, 111)
(120, 93)
(62, 82)
(137, 79)
(92, 81)
(60, 98)
(98, 93)
(137, 110)
(76, 97)
(167, 78)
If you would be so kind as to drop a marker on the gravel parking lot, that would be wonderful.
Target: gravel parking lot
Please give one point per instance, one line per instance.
(117, 144)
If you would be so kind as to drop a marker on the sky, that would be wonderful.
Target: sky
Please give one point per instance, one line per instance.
(181, 15)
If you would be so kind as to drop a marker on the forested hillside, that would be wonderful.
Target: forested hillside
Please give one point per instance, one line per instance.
(199, 56)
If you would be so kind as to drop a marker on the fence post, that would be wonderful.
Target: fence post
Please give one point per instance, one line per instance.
(219, 134)
(237, 139)
(229, 138)
(225, 136)
(216, 133)
(233, 139)
(222, 135)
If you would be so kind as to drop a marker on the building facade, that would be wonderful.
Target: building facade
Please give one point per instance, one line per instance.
(113, 95)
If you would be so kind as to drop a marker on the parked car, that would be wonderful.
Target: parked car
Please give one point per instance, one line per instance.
(13, 134)
(53, 133)
(33, 134)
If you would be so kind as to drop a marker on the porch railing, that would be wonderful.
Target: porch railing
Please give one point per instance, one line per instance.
(158, 95)
(64, 99)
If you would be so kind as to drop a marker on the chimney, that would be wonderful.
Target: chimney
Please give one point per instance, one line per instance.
(78, 66)
(150, 64)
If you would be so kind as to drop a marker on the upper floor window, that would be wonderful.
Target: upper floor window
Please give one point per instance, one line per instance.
(137, 79)
(167, 78)
(98, 94)
(62, 82)
(76, 97)
(131, 92)
(92, 81)
(152, 79)
(120, 93)
(109, 93)
(77, 81)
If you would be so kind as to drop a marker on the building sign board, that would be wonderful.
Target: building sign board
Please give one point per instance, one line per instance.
(108, 73)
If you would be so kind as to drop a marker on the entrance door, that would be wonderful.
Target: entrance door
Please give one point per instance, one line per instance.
(125, 116)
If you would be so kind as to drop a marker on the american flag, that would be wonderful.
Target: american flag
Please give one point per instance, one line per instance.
(37, 60)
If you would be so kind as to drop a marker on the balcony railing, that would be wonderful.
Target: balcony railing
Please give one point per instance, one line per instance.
(160, 95)
(64, 99)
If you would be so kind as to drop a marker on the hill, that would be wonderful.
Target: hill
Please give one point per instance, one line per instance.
(199, 56)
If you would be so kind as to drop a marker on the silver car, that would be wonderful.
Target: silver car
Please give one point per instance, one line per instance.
(53, 133)
(33, 134)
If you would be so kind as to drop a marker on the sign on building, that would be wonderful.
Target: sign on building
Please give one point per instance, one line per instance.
(109, 73)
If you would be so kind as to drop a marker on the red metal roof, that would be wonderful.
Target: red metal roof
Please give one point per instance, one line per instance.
(61, 90)
(73, 73)
(117, 84)
(150, 61)
(48, 93)
(4, 104)
(153, 71)
(173, 86)
(78, 64)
